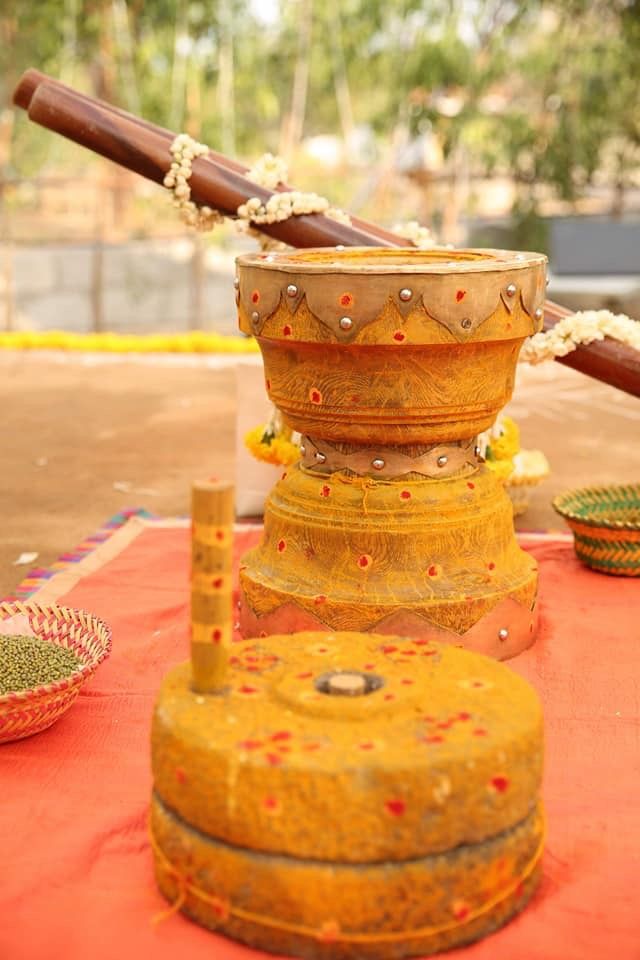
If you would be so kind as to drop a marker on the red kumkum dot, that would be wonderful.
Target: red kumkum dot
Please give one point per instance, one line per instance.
(282, 546)
(364, 561)
(217, 583)
(255, 296)
(389, 649)
(221, 908)
(346, 300)
(245, 688)
(271, 803)
(471, 485)
(328, 932)
(216, 635)
(219, 535)
(433, 570)
(491, 566)
(181, 776)
(460, 910)
(405, 495)
(286, 330)
(395, 807)
(500, 783)
(320, 599)
(460, 295)
(399, 336)
(315, 396)
(325, 491)
(281, 735)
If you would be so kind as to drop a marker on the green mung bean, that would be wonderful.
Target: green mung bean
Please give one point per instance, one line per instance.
(26, 662)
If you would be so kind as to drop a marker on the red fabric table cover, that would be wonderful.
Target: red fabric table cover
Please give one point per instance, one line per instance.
(76, 878)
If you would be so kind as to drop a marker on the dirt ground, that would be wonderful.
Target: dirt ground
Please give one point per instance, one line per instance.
(83, 439)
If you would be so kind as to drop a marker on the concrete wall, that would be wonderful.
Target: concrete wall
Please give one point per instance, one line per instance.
(146, 286)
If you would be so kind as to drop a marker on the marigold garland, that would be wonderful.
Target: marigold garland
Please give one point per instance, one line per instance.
(270, 447)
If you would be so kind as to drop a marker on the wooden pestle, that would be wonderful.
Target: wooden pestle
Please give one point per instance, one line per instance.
(32, 79)
(606, 360)
(217, 181)
(145, 150)
(212, 516)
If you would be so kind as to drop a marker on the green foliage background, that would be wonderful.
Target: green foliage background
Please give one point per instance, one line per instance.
(227, 71)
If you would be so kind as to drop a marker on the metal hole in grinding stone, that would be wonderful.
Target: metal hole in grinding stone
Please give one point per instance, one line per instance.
(348, 683)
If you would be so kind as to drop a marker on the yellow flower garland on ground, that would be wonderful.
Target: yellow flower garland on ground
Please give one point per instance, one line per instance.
(196, 342)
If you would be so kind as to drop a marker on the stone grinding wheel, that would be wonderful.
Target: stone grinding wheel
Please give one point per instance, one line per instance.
(349, 795)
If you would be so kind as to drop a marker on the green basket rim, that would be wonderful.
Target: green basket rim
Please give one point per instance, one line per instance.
(564, 505)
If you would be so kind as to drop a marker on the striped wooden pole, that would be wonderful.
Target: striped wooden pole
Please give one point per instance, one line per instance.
(212, 513)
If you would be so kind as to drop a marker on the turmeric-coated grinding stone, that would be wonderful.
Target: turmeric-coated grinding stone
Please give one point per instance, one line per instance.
(349, 795)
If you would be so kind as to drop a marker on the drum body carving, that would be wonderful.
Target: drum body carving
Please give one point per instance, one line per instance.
(389, 363)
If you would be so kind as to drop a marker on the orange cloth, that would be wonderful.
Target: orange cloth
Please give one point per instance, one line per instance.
(76, 879)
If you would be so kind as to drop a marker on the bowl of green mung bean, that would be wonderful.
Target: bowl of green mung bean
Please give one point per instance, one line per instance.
(46, 654)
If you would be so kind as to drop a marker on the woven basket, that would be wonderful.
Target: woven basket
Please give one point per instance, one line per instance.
(606, 526)
(29, 711)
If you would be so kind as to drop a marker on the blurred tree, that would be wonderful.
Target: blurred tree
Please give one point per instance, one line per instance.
(544, 89)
